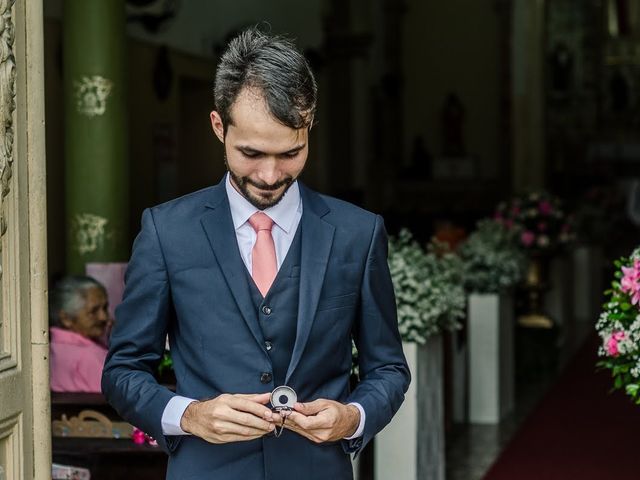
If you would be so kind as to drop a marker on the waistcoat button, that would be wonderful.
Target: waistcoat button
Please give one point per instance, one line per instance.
(266, 377)
(266, 310)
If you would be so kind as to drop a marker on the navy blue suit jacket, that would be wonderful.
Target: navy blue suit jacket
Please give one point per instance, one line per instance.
(185, 278)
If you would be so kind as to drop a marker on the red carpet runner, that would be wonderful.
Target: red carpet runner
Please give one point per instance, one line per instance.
(578, 431)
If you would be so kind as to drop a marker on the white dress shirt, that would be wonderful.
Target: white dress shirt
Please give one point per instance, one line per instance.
(286, 216)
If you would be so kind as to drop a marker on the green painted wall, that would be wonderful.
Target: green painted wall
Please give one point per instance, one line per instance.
(96, 163)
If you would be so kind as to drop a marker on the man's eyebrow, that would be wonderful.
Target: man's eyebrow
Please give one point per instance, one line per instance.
(251, 150)
(246, 149)
(295, 149)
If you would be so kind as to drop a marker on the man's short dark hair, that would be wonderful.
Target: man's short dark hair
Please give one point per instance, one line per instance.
(276, 69)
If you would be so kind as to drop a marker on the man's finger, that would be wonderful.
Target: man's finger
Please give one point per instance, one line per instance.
(311, 408)
(307, 423)
(248, 405)
(225, 428)
(300, 431)
(224, 432)
(245, 419)
(262, 398)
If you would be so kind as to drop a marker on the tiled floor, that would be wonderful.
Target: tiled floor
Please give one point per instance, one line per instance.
(472, 449)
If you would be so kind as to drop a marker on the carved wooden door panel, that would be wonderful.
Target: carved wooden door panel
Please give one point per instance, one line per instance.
(24, 373)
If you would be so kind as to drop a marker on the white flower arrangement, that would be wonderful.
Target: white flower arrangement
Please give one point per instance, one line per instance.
(619, 327)
(492, 260)
(429, 294)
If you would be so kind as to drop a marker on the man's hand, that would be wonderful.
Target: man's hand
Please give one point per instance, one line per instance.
(229, 418)
(323, 420)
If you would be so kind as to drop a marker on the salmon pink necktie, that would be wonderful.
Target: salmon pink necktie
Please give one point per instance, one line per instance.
(263, 255)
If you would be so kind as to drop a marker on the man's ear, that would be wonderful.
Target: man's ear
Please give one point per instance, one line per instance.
(217, 125)
(66, 320)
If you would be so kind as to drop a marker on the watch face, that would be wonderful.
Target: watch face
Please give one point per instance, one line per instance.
(283, 398)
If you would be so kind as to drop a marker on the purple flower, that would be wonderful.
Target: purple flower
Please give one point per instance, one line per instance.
(527, 238)
(545, 207)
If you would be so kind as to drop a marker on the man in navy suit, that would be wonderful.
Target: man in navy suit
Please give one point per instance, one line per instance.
(196, 273)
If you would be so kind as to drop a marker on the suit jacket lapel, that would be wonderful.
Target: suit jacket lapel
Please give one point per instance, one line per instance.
(218, 226)
(317, 238)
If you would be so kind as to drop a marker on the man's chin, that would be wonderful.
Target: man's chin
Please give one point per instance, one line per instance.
(265, 199)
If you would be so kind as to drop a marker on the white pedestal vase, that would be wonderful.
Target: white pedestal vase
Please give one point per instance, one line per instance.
(459, 349)
(491, 357)
(355, 465)
(411, 447)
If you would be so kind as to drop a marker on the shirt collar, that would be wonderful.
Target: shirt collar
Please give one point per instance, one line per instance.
(283, 213)
(61, 335)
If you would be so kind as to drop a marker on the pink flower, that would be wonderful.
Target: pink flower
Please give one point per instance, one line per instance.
(151, 441)
(137, 436)
(527, 238)
(515, 210)
(545, 207)
(612, 343)
(630, 283)
(542, 226)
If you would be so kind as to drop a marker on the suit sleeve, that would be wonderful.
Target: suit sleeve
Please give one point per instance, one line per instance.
(384, 374)
(138, 338)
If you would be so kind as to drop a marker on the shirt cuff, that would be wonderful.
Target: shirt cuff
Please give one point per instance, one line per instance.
(173, 414)
(360, 429)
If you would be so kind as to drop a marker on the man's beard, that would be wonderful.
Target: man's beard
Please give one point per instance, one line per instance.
(258, 201)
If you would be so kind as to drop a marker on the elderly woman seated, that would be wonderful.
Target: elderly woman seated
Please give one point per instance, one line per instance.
(78, 311)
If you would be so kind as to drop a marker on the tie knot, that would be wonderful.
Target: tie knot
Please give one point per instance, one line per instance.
(261, 221)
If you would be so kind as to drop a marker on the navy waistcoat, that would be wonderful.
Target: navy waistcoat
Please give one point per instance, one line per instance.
(278, 311)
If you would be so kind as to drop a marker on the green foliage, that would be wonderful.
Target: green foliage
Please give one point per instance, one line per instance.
(166, 364)
(428, 285)
(492, 260)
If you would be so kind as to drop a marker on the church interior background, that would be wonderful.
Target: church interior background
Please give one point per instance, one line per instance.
(431, 113)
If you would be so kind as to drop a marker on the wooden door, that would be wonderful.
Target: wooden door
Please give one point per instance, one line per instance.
(25, 442)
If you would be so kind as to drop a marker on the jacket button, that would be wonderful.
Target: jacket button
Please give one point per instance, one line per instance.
(266, 310)
(266, 377)
(268, 345)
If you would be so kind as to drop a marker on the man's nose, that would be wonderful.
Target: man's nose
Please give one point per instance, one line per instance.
(269, 173)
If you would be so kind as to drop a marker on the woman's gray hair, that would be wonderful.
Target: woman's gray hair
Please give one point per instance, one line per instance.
(276, 69)
(68, 295)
